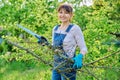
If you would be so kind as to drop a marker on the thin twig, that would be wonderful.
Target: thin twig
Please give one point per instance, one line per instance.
(89, 72)
(32, 53)
(117, 52)
(104, 67)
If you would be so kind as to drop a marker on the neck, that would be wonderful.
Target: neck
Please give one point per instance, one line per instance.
(65, 24)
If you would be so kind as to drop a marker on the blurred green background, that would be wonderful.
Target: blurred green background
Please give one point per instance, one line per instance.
(98, 19)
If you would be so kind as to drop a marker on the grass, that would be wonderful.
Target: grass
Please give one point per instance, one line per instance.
(19, 70)
(34, 70)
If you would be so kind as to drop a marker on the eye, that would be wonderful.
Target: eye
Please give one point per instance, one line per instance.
(61, 12)
(66, 12)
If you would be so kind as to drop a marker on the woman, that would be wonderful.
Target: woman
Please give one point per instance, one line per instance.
(67, 37)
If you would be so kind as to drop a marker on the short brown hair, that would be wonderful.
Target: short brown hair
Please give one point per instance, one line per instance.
(67, 7)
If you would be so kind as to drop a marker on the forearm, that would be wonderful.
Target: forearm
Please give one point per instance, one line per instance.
(83, 52)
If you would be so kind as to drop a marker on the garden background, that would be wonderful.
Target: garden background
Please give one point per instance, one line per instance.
(100, 23)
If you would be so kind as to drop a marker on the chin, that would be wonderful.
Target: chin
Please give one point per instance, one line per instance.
(63, 21)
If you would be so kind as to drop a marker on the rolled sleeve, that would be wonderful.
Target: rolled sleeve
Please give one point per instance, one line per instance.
(80, 40)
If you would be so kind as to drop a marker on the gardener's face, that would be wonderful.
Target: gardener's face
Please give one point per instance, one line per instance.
(64, 16)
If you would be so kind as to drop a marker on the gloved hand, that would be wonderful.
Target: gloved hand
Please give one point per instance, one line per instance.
(42, 40)
(78, 61)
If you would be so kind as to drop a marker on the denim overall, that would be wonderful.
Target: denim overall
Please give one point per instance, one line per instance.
(58, 42)
(1, 40)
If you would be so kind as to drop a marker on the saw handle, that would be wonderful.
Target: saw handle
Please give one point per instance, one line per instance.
(42, 40)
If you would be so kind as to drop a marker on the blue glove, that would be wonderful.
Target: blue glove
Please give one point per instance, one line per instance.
(77, 61)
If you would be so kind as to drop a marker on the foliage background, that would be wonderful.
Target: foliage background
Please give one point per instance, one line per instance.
(40, 16)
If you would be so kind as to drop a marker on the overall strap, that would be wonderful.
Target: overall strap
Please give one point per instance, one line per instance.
(56, 27)
(69, 27)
